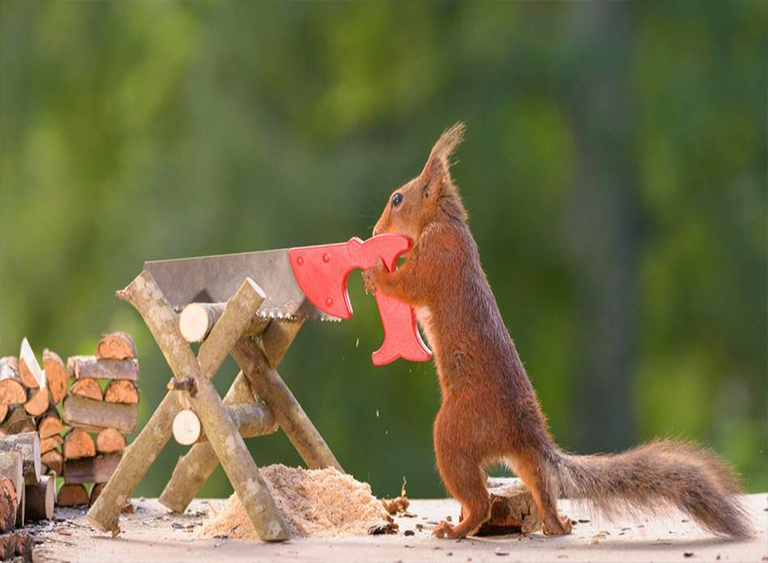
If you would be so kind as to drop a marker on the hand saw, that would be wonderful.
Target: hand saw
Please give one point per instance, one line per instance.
(300, 283)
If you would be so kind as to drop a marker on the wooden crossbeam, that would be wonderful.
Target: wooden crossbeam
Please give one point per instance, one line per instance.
(144, 294)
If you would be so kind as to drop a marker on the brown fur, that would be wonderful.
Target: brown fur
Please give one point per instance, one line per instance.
(490, 411)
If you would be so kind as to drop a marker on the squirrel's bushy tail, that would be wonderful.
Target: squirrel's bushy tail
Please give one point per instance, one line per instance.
(654, 476)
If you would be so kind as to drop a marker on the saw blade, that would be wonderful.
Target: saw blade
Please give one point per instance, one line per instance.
(215, 279)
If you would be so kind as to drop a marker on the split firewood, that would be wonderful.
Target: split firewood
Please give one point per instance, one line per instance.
(29, 370)
(50, 443)
(72, 494)
(28, 445)
(12, 390)
(49, 424)
(11, 467)
(110, 441)
(18, 421)
(96, 491)
(16, 546)
(116, 346)
(78, 443)
(97, 415)
(88, 388)
(512, 508)
(91, 366)
(54, 461)
(91, 470)
(38, 401)
(39, 499)
(8, 505)
(55, 375)
(197, 320)
(122, 391)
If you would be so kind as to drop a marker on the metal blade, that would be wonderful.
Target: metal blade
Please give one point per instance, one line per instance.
(215, 279)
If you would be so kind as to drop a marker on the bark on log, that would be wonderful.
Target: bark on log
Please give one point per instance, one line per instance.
(87, 387)
(8, 505)
(21, 512)
(38, 401)
(29, 369)
(197, 320)
(72, 494)
(251, 420)
(97, 415)
(141, 293)
(292, 419)
(16, 546)
(116, 346)
(55, 375)
(194, 469)
(39, 499)
(11, 467)
(110, 441)
(78, 443)
(18, 421)
(96, 491)
(91, 470)
(122, 391)
(54, 461)
(50, 424)
(12, 390)
(28, 445)
(91, 366)
(51, 443)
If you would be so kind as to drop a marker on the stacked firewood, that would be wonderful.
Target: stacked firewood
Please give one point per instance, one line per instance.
(100, 409)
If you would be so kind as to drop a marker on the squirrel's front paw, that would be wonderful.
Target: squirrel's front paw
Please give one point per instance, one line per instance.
(443, 530)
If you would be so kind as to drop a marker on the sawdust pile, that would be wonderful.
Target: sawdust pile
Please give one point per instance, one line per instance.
(318, 503)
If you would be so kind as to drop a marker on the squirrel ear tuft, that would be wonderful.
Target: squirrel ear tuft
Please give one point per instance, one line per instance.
(438, 161)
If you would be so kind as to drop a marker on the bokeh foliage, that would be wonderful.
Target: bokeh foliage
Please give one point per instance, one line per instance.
(614, 170)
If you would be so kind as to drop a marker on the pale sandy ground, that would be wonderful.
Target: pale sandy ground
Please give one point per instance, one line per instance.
(150, 534)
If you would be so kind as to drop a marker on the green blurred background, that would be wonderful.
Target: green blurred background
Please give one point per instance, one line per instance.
(614, 170)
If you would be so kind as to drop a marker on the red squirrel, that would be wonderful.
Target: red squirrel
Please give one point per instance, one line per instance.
(490, 412)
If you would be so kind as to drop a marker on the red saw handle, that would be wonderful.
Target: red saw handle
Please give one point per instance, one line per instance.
(322, 272)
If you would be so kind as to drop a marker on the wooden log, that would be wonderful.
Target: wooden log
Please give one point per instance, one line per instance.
(9, 505)
(54, 461)
(91, 366)
(11, 467)
(96, 491)
(87, 387)
(21, 511)
(50, 424)
(251, 420)
(194, 469)
(3, 411)
(50, 443)
(186, 427)
(91, 470)
(78, 443)
(38, 401)
(39, 499)
(12, 390)
(110, 441)
(28, 445)
(116, 346)
(122, 391)
(513, 509)
(16, 546)
(97, 415)
(72, 494)
(292, 419)
(18, 421)
(154, 436)
(55, 375)
(29, 369)
(197, 319)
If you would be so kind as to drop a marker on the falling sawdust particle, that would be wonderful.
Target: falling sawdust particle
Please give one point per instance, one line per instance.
(317, 503)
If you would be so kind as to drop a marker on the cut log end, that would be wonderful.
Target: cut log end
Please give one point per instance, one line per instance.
(50, 443)
(38, 401)
(110, 441)
(186, 428)
(96, 491)
(55, 375)
(18, 421)
(50, 424)
(88, 388)
(12, 392)
(72, 494)
(116, 346)
(122, 391)
(78, 443)
(54, 461)
(196, 321)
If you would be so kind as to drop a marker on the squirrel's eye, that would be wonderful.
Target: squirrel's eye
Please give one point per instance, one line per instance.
(397, 199)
